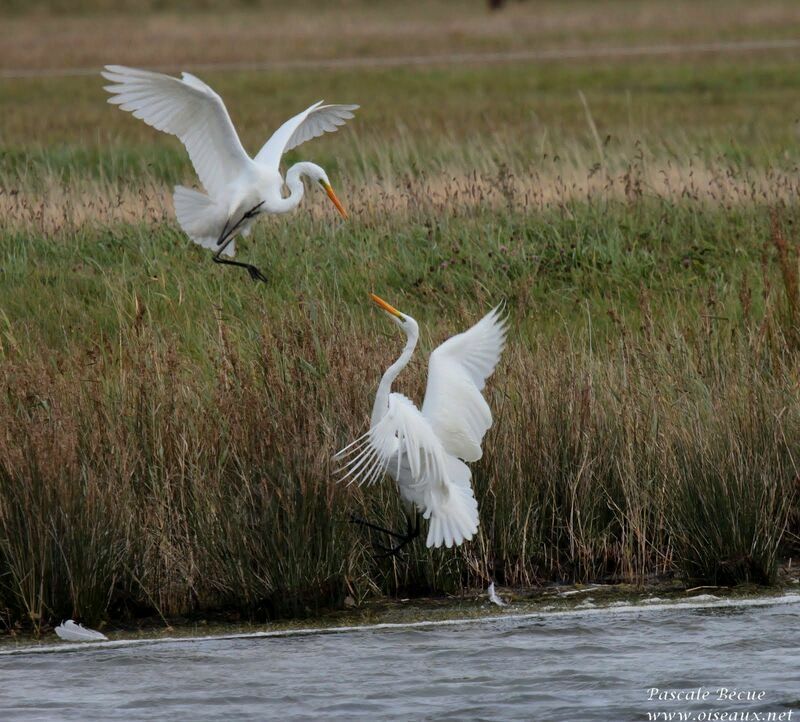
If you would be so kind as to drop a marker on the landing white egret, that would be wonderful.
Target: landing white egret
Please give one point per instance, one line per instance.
(424, 451)
(238, 188)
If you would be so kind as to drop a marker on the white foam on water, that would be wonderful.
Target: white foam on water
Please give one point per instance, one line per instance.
(690, 604)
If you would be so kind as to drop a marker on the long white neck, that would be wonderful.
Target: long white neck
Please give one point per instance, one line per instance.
(294, 182)
(385, 387)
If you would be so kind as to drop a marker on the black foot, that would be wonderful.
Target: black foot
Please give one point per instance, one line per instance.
(403, 539)
(255, 274)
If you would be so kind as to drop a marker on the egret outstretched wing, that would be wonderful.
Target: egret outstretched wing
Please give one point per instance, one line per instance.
(188, 108)
(404, 444)
(311, 123)
(457, 372)
(402, 434)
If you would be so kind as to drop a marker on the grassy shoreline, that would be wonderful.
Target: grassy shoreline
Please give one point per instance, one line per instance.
(468, 607)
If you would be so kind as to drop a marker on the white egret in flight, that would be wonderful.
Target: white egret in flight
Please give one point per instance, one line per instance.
(238, 187)
(424, 451)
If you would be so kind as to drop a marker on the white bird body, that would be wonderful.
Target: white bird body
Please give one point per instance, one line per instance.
(424, 450)
(69, 631)
(235, 183)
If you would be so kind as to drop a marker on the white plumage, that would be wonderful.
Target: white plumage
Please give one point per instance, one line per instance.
(313, 122)
(235, 184)
(189, 109)
(424, 450)
(494, 597)
(457, 373)
(69, 631)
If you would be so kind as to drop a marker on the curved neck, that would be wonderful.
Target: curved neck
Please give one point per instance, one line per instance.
(385, 387)
(294, 182)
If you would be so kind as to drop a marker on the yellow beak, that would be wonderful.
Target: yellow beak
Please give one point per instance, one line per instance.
(336, 201)
(386, 307)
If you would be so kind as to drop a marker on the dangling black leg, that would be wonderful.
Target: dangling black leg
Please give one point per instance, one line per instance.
(254, 272)
(411, 533)
(225, 239)
(363, 522)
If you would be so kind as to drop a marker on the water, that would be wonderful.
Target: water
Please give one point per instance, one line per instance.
(592, 664)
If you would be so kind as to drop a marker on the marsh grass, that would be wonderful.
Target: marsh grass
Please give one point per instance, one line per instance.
(169, 456)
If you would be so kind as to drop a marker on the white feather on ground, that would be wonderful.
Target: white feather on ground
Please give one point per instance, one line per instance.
(69, 631)
(494, 597)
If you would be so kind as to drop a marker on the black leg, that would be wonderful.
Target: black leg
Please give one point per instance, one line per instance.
(254, 272)
(382, 529)
(411, 533)
(225, 239)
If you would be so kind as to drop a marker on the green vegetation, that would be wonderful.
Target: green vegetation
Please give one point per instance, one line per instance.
(167, 426)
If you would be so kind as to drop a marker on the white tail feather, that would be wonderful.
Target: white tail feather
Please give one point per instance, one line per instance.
(199, 216)
(454, 515)
(72, 632)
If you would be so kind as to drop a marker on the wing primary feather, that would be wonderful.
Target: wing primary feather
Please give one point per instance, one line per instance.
(358, 463)
(349, 449)
(354, 459)
(367, 466)
(372, 473)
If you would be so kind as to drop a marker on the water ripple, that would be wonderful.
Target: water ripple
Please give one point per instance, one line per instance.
(593, 666)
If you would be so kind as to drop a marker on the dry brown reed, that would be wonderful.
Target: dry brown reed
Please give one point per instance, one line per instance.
(53, 205)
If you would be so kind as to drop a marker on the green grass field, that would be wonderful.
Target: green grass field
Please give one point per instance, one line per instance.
(167, 426)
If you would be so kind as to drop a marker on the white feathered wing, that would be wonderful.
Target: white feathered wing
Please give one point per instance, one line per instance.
(457, 373)
(403, 444)
(313, 122)
(189, 109)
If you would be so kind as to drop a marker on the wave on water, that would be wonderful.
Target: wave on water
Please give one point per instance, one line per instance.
(654, 605)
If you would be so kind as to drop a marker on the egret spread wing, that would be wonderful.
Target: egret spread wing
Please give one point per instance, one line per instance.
(311, 123)
(403, 434)
(188, 108)
(457, 372)
(404, 443)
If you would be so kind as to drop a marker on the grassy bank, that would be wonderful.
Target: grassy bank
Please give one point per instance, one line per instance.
(167, 426)
(171, 450)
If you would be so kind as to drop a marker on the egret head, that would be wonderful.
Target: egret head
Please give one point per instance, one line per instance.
(318, 175)
(408, 324)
